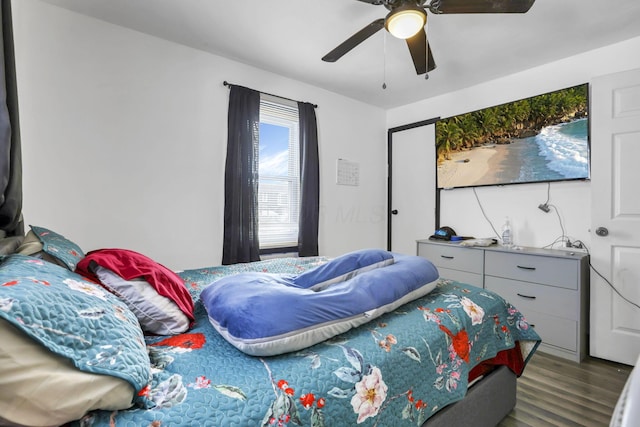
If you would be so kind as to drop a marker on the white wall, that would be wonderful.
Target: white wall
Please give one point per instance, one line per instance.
(124, 141)
(532, 227)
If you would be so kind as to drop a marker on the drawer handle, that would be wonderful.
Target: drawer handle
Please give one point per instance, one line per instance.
(446, 256)
(526, 268)
(526, 296)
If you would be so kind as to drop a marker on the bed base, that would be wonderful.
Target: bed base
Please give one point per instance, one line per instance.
(487, 402)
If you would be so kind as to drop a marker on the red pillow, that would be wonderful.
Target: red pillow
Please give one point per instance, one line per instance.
(132, 265)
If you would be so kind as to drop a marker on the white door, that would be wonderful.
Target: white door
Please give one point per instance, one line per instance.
(615, 189)
(412, 187)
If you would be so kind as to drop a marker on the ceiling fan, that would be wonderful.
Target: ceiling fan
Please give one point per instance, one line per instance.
(406, 20)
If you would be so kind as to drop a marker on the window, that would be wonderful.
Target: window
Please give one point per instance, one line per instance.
(279, 174)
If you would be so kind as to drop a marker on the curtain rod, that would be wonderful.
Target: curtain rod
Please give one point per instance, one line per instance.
(226, 83)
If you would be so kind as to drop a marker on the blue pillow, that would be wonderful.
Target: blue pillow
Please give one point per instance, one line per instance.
(74, 318)
(59, 247)
(241, 306)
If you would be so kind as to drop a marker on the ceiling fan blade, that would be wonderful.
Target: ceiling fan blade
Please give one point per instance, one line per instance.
(354, 40)
(480, 6)
(375, 2)
(421, 53)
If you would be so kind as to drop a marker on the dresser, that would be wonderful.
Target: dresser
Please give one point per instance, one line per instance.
(550, 287)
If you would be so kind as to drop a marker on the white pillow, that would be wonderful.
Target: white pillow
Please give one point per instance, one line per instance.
(157, 314)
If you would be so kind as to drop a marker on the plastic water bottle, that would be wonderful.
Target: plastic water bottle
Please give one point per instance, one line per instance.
(507, 236)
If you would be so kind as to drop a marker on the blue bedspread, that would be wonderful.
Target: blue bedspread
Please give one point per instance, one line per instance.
(397, 370)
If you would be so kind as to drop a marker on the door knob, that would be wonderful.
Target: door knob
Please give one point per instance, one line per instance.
(394, 212)
(602, 231)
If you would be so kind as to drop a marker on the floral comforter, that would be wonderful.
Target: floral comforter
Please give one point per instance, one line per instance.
(397, 370)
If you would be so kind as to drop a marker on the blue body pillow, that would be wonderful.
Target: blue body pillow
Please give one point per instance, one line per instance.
(266, 314)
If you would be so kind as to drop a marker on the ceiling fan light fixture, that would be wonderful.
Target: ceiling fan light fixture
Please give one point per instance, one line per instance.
(405, 21)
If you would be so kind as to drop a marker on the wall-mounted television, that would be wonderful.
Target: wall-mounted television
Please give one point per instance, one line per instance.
(544, 138)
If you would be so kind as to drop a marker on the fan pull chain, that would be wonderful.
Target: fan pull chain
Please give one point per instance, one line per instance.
(426, 57)
(384, 60)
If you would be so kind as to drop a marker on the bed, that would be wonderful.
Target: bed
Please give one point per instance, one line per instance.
(410, 363)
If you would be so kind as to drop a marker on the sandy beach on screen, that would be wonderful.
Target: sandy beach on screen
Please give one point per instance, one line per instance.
(483, 165)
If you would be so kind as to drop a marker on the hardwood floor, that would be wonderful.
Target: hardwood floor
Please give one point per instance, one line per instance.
(557, 392)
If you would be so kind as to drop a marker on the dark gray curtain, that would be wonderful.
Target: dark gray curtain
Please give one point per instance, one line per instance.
(10, 153)
(309, 181)
(240, 242)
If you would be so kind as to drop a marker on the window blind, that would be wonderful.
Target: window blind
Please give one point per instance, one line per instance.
(279, 187)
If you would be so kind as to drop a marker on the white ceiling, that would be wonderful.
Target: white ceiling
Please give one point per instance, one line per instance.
(288, 37)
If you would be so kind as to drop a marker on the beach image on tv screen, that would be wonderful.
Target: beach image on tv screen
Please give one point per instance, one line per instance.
(539, 139)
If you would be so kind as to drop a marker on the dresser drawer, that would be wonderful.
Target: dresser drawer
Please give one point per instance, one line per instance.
(553, 271)
(527, 297)
(453, 257)
(555, 331)
(462, 276)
